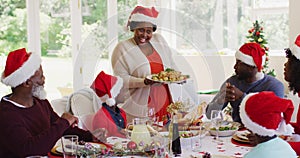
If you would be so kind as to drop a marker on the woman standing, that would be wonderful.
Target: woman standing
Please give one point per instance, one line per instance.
(144, 54)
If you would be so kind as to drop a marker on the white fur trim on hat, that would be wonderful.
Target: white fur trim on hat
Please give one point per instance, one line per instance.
(115, 90)
(138, 17)
(23, 73)
(247, 59)
(295, 51)
(253, 126)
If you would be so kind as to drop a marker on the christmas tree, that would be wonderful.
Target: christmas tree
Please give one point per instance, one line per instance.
(256, 34)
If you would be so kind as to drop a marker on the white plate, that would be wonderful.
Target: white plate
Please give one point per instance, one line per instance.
(59, 149)
(195, 133)
(242, 134)
(165, 82)
(225, 133)
(113, 140)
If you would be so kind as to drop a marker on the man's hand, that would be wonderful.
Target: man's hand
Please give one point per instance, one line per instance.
(73, 121)
(100, 134)
(232, 93)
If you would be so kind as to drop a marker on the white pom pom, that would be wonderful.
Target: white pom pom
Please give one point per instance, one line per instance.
(110, 102)
(285, 129)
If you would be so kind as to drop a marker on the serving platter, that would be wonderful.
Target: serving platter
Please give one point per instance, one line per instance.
(150, 77)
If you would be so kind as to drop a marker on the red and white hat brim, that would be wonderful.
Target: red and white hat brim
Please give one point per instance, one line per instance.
(23, 73)
(253, 126)
(295, 51)
(138, 17)
(247, 59)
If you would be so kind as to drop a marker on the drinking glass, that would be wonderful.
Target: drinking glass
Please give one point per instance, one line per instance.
(216, 120)
(196, 141)
(69, 146)
(151, 116)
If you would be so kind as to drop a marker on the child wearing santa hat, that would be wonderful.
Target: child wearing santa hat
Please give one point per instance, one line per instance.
(265, 115)
(248, 78)
(292, 76)
(109, 116)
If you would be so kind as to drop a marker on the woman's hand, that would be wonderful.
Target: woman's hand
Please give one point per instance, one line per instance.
(150, 82)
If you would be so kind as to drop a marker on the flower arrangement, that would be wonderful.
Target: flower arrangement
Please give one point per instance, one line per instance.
(175, 107)
(256, 34)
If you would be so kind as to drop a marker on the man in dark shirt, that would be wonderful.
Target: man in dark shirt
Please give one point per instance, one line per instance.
(29, 124)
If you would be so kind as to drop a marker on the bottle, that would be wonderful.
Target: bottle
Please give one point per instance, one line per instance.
(176, 147)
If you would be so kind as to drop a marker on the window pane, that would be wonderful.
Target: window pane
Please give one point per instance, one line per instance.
(13, 32)
(56, 47)
(222, 26)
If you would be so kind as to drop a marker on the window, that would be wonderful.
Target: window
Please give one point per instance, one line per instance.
(216, 26)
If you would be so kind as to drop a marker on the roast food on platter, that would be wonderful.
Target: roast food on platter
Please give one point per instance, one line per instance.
(169, 75)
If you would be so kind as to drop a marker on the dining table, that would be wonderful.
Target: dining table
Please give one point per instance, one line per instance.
(224, 147)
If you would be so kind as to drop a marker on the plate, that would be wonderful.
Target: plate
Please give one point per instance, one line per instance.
(225, 133)
(242, 134)
(188, 134)
(236, 138)
(59, 149)
(149, 77)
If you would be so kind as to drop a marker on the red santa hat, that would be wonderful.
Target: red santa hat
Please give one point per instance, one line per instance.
(266, 114)
(107, 87)
(252, 54)
(143, 14)
(295, 48)
(20, 66)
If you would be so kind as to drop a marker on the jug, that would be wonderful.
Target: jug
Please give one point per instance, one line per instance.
(140, 133)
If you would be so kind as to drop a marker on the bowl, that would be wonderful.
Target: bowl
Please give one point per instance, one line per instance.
(224, 133)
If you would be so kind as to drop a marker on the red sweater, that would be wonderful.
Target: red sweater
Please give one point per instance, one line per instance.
(103, 119)
(296, 125)
(32, 131)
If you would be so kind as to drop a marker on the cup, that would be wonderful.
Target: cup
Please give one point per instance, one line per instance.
(69, 145)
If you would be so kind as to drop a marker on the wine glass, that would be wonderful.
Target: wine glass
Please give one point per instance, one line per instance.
(216, 120)
(151, 115)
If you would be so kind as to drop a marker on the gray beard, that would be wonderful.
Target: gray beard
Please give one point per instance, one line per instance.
(39, 92)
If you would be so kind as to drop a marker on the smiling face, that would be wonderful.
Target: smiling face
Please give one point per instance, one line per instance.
(143, 33)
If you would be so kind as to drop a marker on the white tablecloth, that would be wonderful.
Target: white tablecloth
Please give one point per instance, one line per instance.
(224, 149)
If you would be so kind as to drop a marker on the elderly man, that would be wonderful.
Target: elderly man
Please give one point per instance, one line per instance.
(249, 78)
(29, 124)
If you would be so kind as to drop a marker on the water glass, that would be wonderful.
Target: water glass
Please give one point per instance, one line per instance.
(69, 145)
(216, 120)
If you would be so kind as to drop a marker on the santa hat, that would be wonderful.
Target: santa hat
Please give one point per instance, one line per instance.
(143, 14)
(252, 54)
(295, 48)
(266, 114)
(107, 87)
(20, 66)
